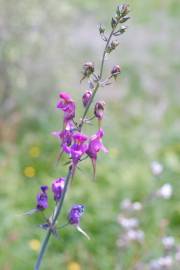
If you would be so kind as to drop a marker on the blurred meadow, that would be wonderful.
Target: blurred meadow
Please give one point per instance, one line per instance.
(43, 45)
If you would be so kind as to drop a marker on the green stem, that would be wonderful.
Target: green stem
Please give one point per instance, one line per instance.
(56, 215)
(60, 203)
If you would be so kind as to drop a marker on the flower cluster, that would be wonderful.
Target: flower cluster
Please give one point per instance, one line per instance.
(130, 224)
(72, 141)
(129, 220)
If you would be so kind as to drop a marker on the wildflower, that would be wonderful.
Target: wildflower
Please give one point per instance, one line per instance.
(88, 69)
(156, 168)
(128, 223)
(34, 151)
(57, 188)
(135, 235)
(115, 71)
(34, 244)
(168, 242)
(67, 105)
(86, 97)
(29, 171)
(165, 191)
(161, 263)
(95, 145)
(99, 110)
(42, 199)
(75, 215)
(74, 266)
(77, 149)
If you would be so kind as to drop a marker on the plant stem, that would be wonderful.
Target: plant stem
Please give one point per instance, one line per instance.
(56, 215)
(68, 177)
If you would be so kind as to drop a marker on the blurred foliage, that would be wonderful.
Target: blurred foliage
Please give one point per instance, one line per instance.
(42, 47)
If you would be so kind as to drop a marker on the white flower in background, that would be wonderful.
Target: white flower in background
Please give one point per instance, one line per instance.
(163, 263)
(165, 191)
(177, 255)
(156, 168)
(128, 223)
(128, 205)
(137, 206)
(168, 242)
(135, 235)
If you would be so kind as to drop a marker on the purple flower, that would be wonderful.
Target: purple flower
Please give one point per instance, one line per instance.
(67, 105)
(99, 109)
(65, 135)
(57, 188)
(74, 217)
(86, 97)
(42, 199)
(77, 149)
(75, 214)
(95, 145)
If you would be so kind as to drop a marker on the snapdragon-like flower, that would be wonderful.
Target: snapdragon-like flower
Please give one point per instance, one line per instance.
(67, 105)
(86, 97)
(57, 188)
(75, 215)
(77, 149)
(42, 199)
(95, 145)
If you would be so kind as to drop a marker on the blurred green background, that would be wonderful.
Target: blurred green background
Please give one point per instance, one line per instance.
(43, 45)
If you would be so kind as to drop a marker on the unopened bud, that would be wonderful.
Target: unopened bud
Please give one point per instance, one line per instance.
(86, 97)
(101, 29)
(123, 29)
(122, 10)
(115, 71)
(99, 109)
(113, 23)
(124, 19)
(88, 69)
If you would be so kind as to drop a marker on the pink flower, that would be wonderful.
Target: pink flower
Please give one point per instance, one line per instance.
(86, 97)
(95, 145)
(67, 105)
(77, 149)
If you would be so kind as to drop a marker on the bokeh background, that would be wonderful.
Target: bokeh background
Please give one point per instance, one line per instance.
(43, 45)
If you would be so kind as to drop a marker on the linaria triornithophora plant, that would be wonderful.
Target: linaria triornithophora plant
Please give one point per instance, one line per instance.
(73, 142)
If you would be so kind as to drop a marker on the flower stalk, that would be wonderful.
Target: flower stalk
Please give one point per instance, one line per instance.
(73, 142)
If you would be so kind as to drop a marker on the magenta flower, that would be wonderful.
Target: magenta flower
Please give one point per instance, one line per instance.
(77, 149)
(86, 97)
(95, 145)
(57, 188)
(67, 105)
(42, 199)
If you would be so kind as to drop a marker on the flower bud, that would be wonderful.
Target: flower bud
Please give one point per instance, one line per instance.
(115, 71)
(122, 10)
(101, 29)
(88, 69)
(113, 23)
(86, 97)
(123, 29)
(124, 19)
(99, 109)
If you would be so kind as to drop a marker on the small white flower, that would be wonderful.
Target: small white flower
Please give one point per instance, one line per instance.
(137, 206)
(128, 223)
(166, 262)
(126, 204)
(135, 235)
(165, 191)
(168, 242)
(156, 168)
